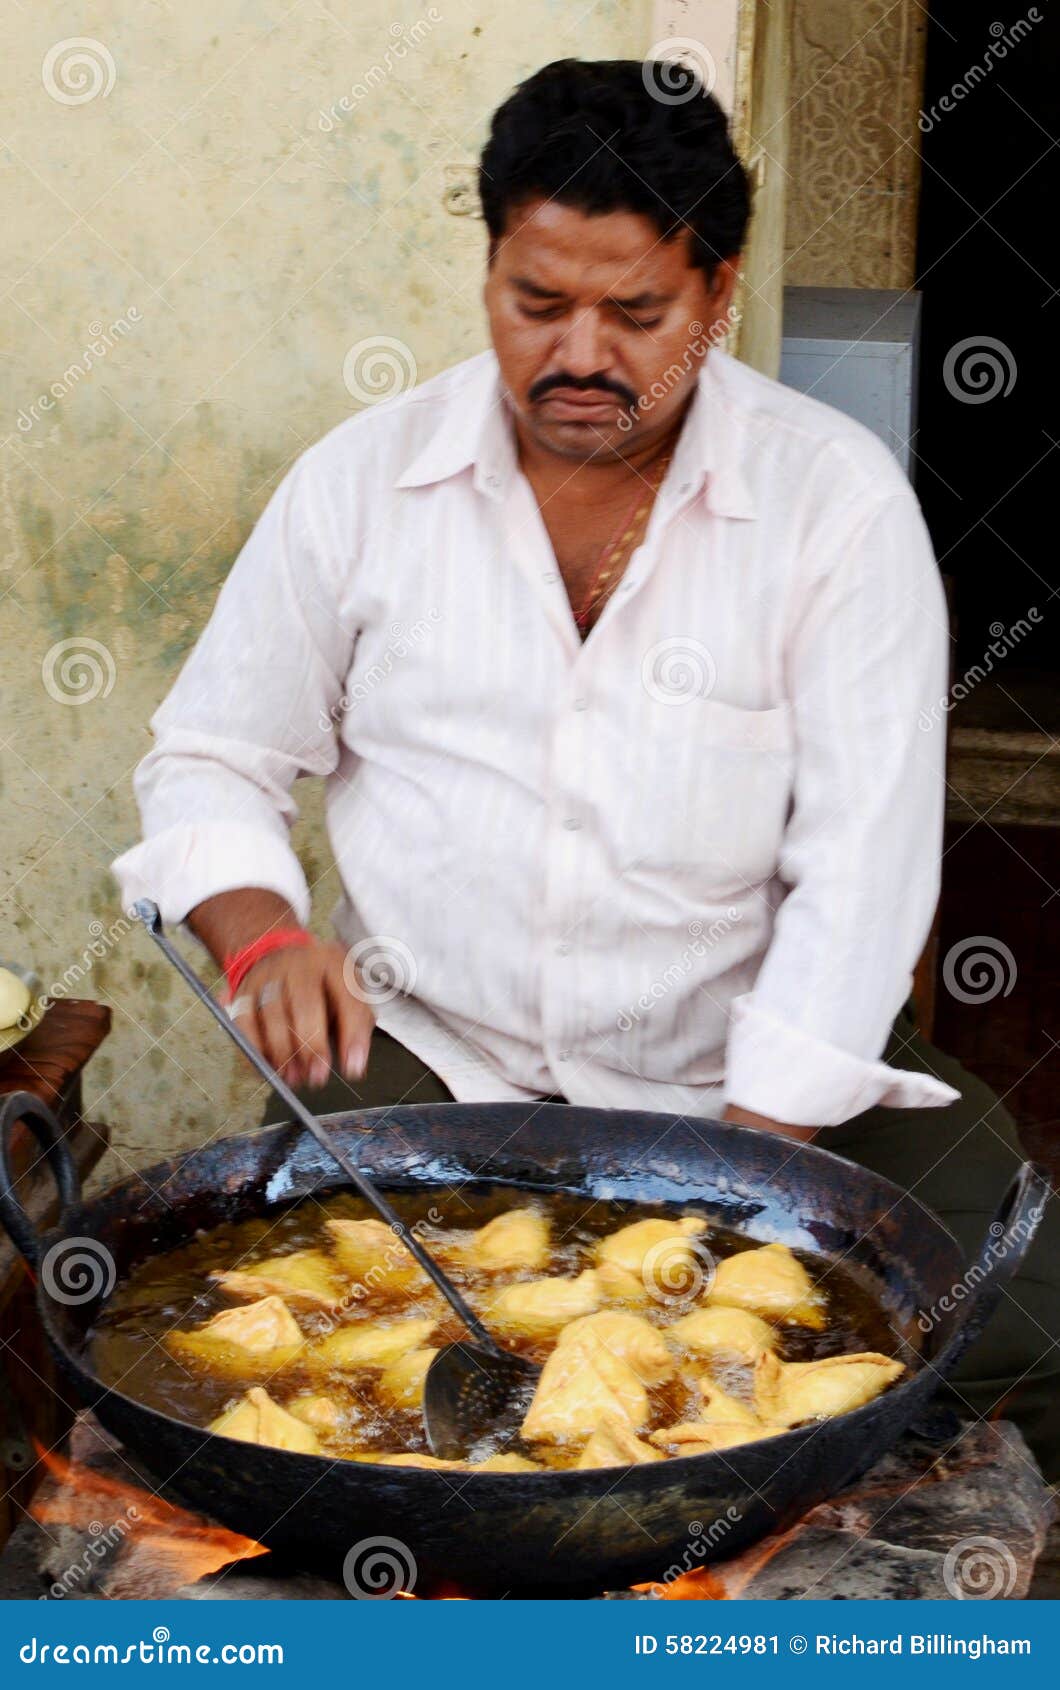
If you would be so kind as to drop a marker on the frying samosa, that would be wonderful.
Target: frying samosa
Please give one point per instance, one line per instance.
(505, 1464)
(259, 1420)
(720, 1409)
(723, 1331)
(627, 1336)
(433, 1461)
(576, 1389)
(769, 1281)
(538, 1307)
(703, 1437)
(305, 1276)
(518, 1239)
(615, 1444)
(316, 1410)
(375, 1259)
(367, 1345)
(248, 1343)
(618, 1285)
(400, 1385)
(788, 1392)
(633, 1245)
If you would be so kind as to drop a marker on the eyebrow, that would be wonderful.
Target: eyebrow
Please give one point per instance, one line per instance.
(636, 302)
(534, 290)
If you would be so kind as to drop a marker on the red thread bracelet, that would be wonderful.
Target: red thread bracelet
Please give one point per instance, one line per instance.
(238, 966)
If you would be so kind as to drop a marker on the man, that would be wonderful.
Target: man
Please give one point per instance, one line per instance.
(612, 655)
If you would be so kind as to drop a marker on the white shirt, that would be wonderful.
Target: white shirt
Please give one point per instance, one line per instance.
(691, 860)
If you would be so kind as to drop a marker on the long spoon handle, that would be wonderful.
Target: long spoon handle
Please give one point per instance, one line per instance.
(147, 912)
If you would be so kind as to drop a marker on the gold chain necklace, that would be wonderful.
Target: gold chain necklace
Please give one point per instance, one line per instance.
(622, 544)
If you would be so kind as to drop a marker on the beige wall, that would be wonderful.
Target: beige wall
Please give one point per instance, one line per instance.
(179, 188)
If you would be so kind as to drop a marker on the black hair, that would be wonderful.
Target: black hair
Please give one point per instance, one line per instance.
(620, 135)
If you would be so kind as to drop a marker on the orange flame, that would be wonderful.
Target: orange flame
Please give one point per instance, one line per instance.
(165, 1547)
(728, 1580)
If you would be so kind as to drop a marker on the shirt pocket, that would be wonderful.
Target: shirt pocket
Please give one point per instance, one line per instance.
(710, 793)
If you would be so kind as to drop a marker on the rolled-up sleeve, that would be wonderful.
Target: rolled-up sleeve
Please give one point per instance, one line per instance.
(866, 666)
(254, 707)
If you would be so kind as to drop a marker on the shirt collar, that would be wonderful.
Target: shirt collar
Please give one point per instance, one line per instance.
(475, 432)
(709, 453)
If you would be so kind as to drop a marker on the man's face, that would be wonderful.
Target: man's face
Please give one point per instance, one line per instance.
(599, 325)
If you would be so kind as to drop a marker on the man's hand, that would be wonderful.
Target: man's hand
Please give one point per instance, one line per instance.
(296, 1007)
(747, 1118)
(295, 1004)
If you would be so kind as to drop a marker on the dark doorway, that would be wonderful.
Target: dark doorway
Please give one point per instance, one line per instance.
(988, 469)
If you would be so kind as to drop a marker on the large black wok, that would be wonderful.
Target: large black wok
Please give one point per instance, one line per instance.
(552, 1531)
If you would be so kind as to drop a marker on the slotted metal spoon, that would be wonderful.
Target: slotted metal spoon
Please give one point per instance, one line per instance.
(469, 1386)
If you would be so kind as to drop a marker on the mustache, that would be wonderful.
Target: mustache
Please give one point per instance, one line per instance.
(598, 383)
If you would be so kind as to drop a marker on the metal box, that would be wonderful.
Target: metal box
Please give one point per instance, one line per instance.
(856, 349)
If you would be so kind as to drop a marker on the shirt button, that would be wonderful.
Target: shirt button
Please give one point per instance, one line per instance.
(564, 1056)
(563, 949)
(572, 824)
(581, 704)
(686, 487)
(493, 481)
(550, 575)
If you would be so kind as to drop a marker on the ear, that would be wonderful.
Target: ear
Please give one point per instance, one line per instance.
(722, 284)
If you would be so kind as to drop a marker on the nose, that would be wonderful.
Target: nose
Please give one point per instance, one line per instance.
(581, 347)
